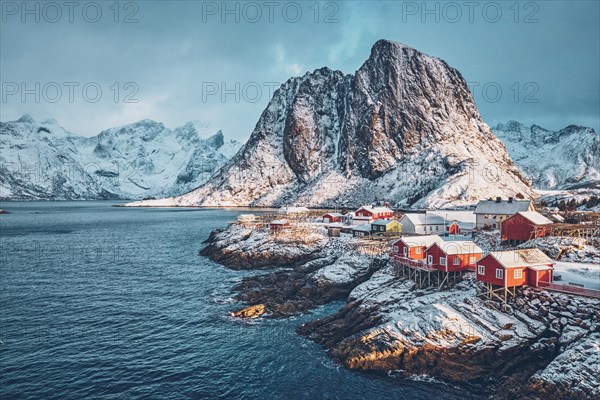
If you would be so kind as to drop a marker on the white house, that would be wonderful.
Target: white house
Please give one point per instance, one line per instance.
(491, 213)
(422, 224)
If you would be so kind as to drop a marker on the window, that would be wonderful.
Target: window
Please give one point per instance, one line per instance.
(518, 273)
(472, 260)
(499, 273)
(429, 259)
(405, 251)
(437, 228)
(456, 261)
(396, 249)
(430, 228)
(481, 269)
(418, 250)
(442, 260)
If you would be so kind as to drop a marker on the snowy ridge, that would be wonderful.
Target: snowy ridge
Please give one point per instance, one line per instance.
(41, 160)
(404, 127)
(568, 158)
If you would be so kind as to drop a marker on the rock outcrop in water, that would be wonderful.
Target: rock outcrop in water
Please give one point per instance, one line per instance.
(534, 349)
(310, 268)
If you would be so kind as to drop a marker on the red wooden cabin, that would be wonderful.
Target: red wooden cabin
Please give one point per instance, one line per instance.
(278, 225)
(453, 256)
(520, 227)
(332, 217)
(413, 247)
(370, 214)
(510, 269)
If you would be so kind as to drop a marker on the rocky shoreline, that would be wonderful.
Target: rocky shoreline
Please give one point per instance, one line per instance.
(545, 345)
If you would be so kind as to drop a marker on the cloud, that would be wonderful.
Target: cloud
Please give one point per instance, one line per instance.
(283, 64)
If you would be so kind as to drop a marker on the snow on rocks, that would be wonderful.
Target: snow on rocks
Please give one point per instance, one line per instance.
(390, 325)
(404, 127)
(41, 160)
(573, 374)
(311, 268)
(243, 248)
(575, 153)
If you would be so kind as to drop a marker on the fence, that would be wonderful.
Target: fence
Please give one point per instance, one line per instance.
(571, 289)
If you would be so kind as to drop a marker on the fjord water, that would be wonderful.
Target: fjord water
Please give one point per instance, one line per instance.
(98, 301)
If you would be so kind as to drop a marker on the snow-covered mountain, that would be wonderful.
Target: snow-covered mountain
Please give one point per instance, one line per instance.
(560, 159)
(404, 127)
(41, 160)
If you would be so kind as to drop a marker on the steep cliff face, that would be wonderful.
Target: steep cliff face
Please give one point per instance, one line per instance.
(40, 160)
(404, 127)
(560, 159)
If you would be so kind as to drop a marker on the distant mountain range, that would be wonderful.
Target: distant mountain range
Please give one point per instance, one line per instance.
(41, 160)
(403, 128)
(564, 159)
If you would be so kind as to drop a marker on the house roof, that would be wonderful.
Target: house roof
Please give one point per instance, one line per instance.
(363, 227)
(521, 258)
(459, 247)
(502, 208)
(280, 222)
(463, 225)
(376, 209)
(455, 215)
(383, 222)
(339, 215)
(421, 241)
(424, 219)
(535, 217)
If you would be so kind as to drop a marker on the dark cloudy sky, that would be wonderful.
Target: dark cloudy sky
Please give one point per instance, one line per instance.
(537, 62)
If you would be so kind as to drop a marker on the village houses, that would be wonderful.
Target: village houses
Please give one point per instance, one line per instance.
(491, 213)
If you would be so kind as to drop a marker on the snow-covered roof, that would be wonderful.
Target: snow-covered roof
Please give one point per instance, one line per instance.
(459, 247)
(280, 222)
(421, 241)
(376, 209)
(292, 210)
(557, 217)
(334, 214)
(504, 207)
(454, 215)
(423, 219)
(463, 225)
(521, 258)
(383, 222)
(535, 217)
(363, 227)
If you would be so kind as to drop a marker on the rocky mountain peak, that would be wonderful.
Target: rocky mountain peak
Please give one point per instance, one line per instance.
(216, 141)
(575, 154)
(26, 118)
(404, 127)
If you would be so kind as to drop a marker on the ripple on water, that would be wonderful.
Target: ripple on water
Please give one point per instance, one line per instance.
(97, 301)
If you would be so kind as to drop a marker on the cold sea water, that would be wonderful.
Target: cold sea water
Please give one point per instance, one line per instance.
(109, 302)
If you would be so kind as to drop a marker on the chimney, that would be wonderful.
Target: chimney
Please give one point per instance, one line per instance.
(498, 199)
(510, 199)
